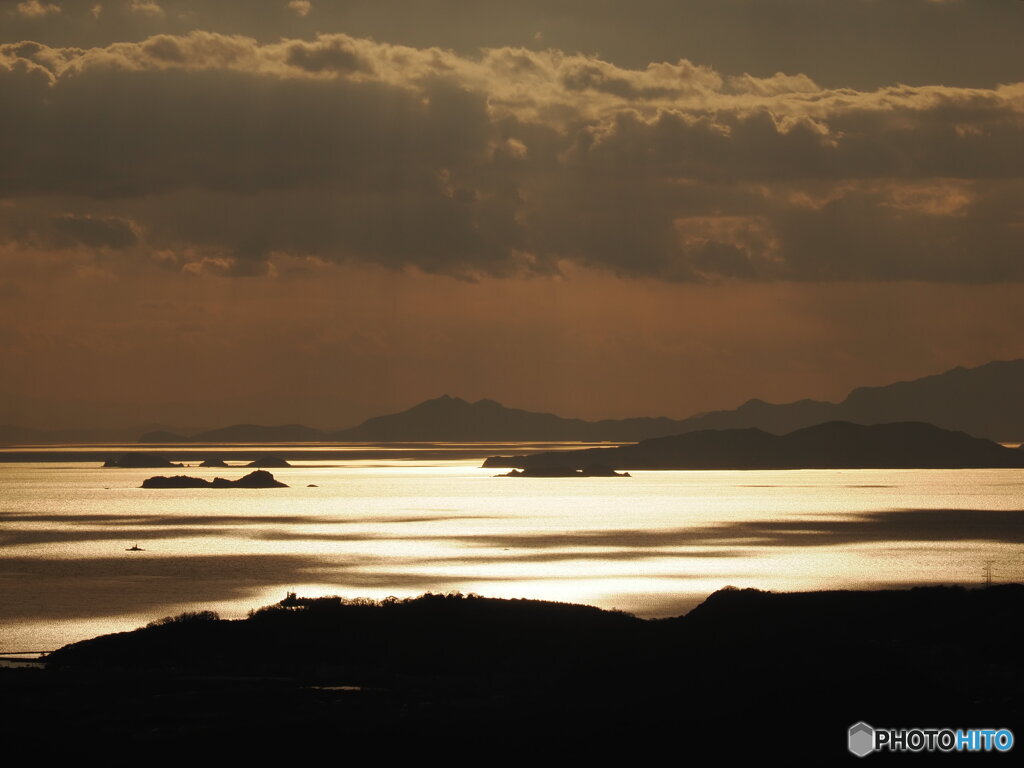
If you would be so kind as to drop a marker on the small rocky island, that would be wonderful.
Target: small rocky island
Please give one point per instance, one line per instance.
(258, 479)
(591, 470)
(218, 463)
(269, 462)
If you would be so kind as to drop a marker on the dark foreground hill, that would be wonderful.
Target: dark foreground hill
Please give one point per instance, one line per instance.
(744, 672)
(835, 445)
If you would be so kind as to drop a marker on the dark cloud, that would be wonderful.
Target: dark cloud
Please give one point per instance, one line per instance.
(220, 153)
(33, 223)
(588, 76)
(334, 55)
(94, 232)
(164, 48)
(854, 43)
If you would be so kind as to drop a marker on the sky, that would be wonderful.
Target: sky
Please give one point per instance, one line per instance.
(308, 211)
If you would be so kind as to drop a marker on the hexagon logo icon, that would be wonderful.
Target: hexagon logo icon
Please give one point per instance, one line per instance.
(861, 739)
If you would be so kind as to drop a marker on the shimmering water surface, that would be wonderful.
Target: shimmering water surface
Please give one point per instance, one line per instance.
(654, 544)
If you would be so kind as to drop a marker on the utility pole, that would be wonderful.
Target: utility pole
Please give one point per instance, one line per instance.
(988, 572)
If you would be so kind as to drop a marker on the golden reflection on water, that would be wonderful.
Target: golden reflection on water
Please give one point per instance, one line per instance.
(654, 544)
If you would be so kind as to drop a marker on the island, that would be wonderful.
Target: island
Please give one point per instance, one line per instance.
(217, 463)
(592, 470)
(258, 479)
(269, 462)
(833, 445)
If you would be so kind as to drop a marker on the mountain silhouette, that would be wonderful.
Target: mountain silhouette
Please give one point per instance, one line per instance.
(983, 401)
(449, 418)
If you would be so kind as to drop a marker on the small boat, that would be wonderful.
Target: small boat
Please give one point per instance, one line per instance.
(136, 548)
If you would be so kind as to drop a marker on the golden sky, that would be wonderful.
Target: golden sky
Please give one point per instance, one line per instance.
(319, 211)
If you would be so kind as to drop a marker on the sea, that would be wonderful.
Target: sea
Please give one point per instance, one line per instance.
(85, 551)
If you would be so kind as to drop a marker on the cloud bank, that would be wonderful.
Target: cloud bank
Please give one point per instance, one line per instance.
(218, 153)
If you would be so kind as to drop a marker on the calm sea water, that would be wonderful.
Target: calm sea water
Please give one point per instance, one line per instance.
(654, 544)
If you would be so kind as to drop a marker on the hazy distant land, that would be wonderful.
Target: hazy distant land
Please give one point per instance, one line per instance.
(983, 401)
(834, 445)
(140, 460)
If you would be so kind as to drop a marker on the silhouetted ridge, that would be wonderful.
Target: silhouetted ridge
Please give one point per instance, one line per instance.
(424, 635)
(452, 419)
(458, 630)
(983, 401)
(475, 674)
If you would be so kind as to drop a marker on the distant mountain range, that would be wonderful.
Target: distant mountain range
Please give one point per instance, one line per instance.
(985, 402)
(443, 419)
(453, 419)
(833, 445)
